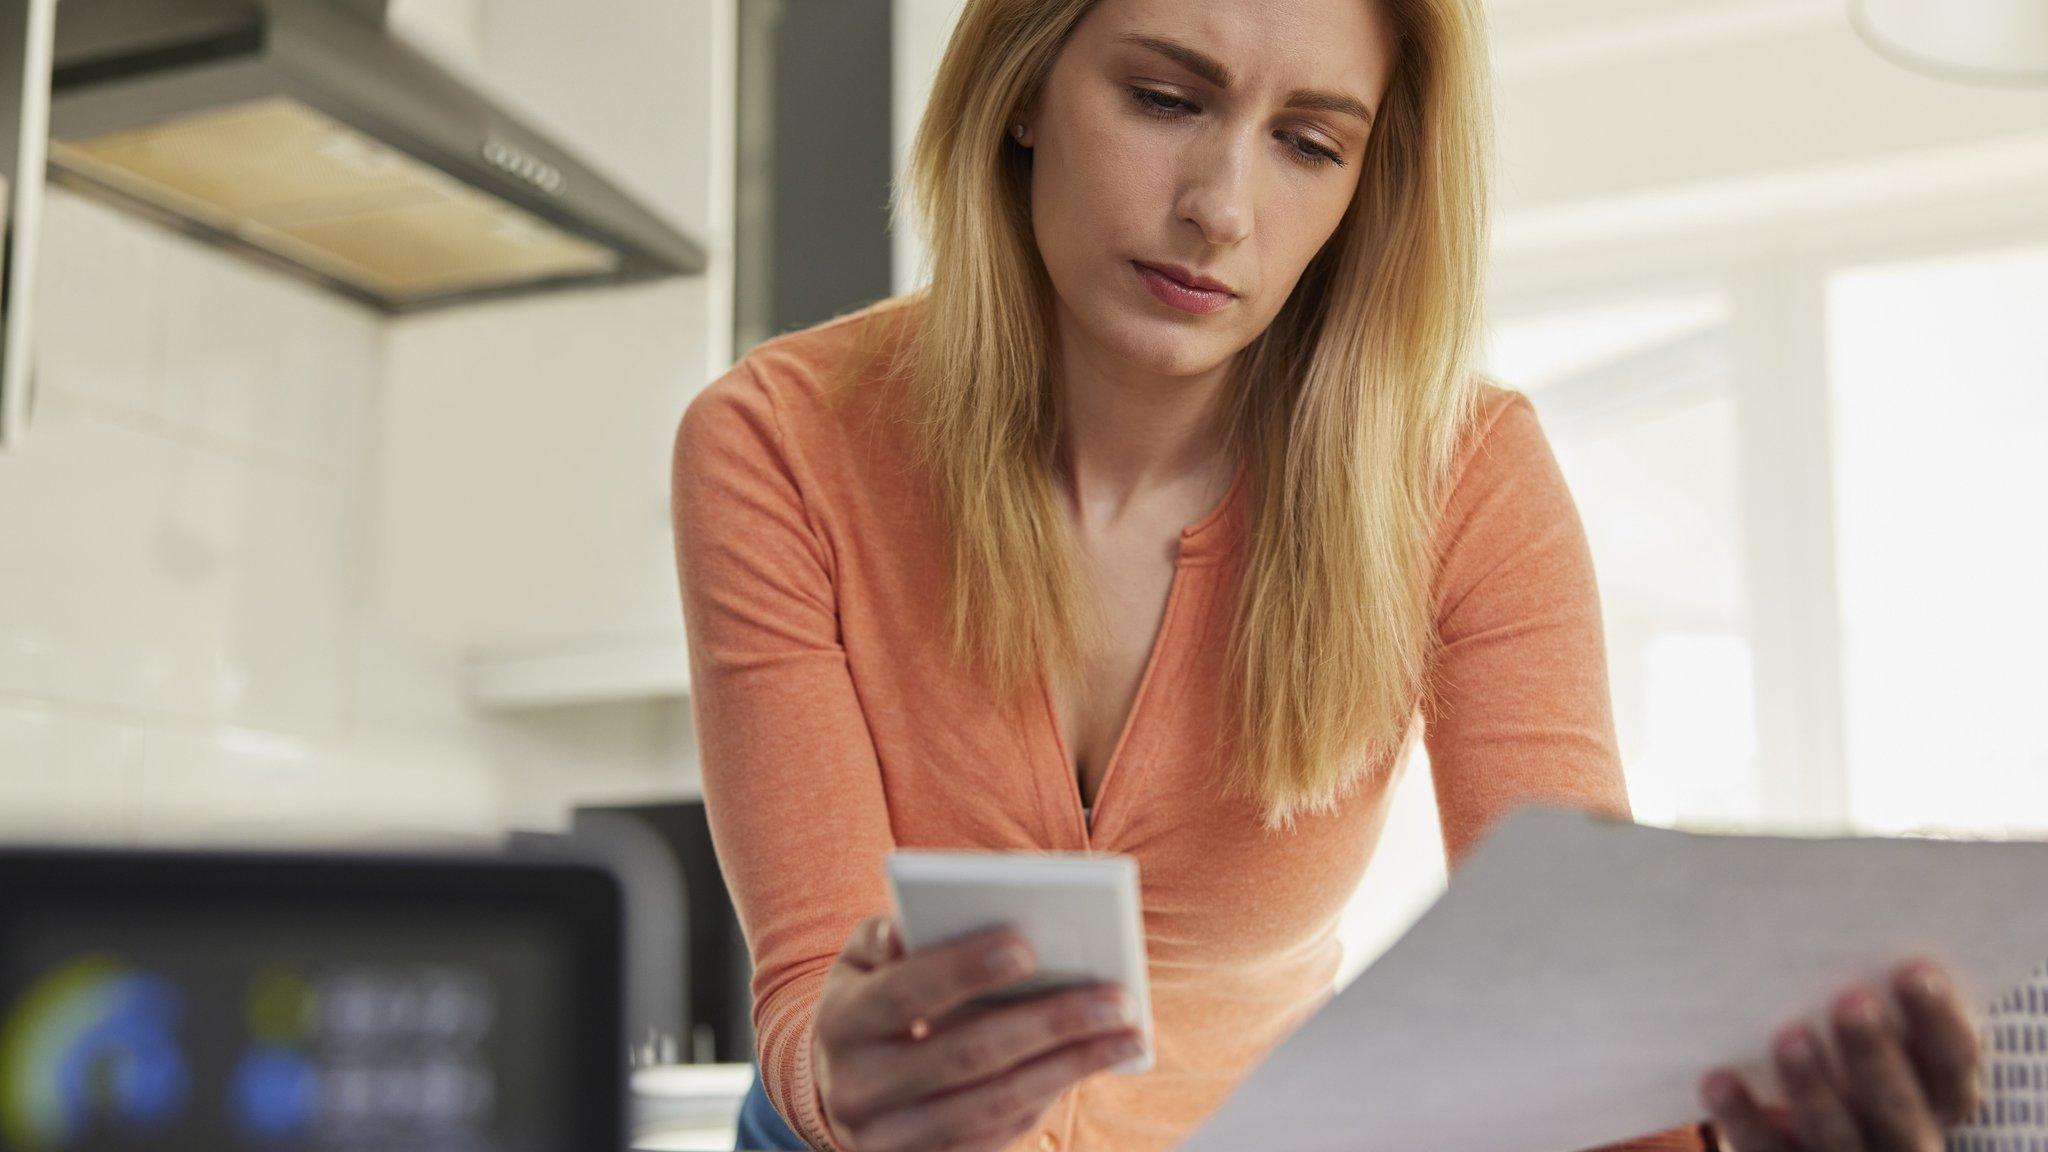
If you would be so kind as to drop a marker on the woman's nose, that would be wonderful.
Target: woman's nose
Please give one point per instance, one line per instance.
(1220, 185)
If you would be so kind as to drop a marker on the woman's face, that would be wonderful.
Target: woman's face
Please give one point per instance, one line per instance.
(1210, 135)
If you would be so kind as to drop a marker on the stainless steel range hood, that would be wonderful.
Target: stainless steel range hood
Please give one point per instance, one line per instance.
(303, 134)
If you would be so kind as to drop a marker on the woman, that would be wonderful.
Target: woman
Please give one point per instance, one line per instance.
(1068, 552)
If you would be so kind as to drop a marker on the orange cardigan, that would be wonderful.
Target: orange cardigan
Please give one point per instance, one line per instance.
(833, 727)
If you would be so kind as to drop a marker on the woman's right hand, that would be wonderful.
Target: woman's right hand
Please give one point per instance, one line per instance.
(896, 1071)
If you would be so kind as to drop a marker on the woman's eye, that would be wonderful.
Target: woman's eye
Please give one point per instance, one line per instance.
(1319, 154)
(1171, 107)
(1157, 101)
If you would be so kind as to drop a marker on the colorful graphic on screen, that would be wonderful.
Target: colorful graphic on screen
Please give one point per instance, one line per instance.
(144, 1025)
(96, 1054)
(92, 1043)
(275, 1094)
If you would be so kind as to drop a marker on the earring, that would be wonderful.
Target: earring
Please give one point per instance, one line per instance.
(1017, 130)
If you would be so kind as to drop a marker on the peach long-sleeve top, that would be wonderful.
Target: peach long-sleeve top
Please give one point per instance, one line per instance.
(833, 728)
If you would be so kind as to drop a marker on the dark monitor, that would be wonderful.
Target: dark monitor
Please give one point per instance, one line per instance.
(209, 1001)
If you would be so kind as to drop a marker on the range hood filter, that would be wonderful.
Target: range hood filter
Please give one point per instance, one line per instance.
(286, 179)
(306, 135)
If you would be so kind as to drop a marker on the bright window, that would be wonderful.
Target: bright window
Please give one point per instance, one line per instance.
(1939, 395)
(1635, 399)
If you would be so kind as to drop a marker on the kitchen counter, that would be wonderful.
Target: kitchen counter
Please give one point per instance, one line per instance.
(688, 1107)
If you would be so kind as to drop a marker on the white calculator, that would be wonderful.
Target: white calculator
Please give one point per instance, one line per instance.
(1079, 910)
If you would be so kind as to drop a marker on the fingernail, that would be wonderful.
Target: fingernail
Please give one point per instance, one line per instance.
(1797, 1052)
(1107, 1014)
(1926, 983)
(1117, 1013)
(1860, 1011)
(1008, 960)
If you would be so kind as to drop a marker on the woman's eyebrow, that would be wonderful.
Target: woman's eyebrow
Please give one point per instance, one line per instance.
(1217, 73)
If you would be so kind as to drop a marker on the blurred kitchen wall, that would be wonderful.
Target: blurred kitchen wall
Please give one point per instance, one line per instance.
(523, 499)
(263, 549)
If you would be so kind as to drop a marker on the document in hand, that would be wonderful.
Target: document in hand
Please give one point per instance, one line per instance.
(1580, 974)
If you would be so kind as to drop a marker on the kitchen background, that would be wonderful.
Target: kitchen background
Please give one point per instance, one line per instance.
(266, 550)
(277, 568)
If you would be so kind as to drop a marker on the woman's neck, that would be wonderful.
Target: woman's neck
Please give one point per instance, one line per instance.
(1129, 438)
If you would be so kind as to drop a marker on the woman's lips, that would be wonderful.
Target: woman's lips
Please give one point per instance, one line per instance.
(1170, 291)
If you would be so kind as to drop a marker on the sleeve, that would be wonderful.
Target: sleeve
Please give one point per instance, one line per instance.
(792, 788)
(1518, 709)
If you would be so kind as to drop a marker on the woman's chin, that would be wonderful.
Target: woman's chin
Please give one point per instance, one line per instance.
(1170, 349)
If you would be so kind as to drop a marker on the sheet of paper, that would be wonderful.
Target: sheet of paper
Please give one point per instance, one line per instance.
(1580, 974)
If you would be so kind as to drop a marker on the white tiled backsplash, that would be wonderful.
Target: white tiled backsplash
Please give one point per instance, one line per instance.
(187, 648)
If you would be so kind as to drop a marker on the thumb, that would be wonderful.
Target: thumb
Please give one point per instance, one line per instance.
(888, 941)
(873, 942)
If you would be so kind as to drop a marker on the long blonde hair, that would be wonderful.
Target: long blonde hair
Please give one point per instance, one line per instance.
(1347, 410)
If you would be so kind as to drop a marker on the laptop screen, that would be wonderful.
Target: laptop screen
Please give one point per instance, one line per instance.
(215, 1001)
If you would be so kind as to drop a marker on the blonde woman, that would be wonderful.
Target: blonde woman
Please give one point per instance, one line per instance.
(1156, 525)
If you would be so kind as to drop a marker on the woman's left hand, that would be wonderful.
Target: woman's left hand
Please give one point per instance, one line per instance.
(1902, 1076)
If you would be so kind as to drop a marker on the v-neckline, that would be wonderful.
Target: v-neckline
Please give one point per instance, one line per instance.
(1194, 546)
(1088, 816)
